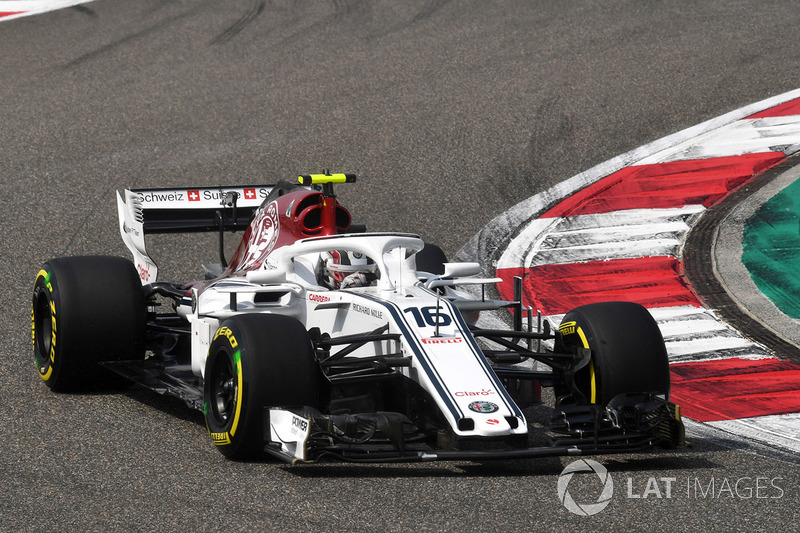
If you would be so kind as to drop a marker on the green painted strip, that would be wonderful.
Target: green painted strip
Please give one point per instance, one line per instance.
(771, 249)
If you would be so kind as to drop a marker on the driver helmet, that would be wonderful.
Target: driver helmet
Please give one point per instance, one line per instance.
(340, 269)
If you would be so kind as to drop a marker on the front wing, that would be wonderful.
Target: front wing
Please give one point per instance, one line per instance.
(630, 423)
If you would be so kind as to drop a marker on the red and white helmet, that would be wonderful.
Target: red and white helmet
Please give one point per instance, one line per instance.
(341, 269)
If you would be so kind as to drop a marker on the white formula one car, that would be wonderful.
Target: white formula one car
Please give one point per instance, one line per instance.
(319, 340)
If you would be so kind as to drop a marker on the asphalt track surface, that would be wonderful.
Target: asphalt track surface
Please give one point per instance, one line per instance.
(451, 112)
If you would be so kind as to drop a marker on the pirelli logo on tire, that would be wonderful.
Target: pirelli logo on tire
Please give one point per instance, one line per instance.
(572, 328)
(567, 328)
(228, 334)
(220, 439)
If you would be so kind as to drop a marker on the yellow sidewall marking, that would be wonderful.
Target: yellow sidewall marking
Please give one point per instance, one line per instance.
(53, 337)
(592, 375)
(45, 275)
(220, 439)
(238, 359)
(571, 328)
(567, 328)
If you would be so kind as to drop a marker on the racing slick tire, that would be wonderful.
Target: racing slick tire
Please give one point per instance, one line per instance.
(86, 310)
(256, 361)
(628, 351)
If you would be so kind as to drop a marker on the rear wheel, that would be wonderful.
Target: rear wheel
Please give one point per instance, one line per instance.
(86, 310)
(628, 351)
(256, 361)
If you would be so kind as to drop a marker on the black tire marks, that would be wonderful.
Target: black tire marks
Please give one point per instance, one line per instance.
(80, 8)
(362, 17)
(233, 30)
(130, 38)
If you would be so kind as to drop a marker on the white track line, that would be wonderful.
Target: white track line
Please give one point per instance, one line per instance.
(35, 7)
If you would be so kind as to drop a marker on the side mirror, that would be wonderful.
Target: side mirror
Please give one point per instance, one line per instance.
(461, 270)
(265, 277)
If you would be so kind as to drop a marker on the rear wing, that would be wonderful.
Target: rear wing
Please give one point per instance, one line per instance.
(183, 210)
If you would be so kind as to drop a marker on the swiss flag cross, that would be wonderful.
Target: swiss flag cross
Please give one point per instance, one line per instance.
(194, 196)
(250, 194)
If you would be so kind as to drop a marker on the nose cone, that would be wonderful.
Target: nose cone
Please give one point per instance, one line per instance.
(491, 425)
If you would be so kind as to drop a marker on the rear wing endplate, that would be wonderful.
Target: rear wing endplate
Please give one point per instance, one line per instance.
(182, 210)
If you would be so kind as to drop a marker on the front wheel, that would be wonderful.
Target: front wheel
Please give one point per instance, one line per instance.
(256, 361)
(628, 354)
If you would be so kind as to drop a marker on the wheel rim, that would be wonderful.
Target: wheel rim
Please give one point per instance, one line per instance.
(223, 389)
(43, 331)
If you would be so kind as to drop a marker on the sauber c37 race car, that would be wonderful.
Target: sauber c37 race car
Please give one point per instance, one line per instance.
(319, 340)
